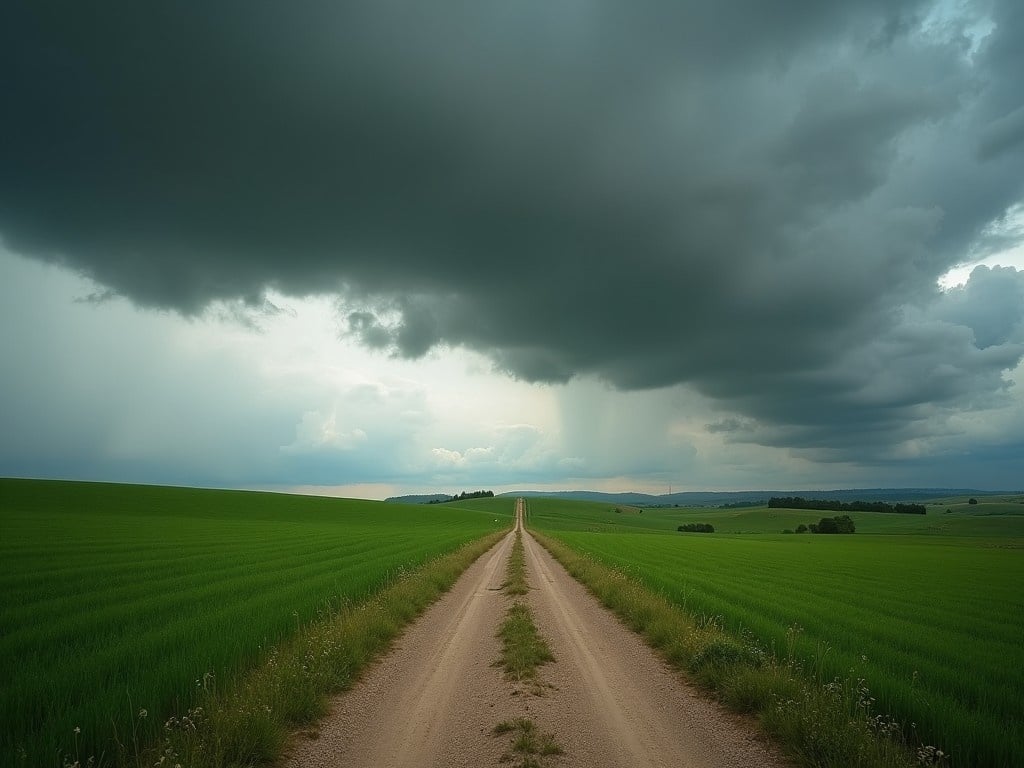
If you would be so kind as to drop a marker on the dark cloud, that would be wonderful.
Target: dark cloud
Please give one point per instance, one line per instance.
(1003, 135)
(902, 385)
(752, 197)
(725, 426)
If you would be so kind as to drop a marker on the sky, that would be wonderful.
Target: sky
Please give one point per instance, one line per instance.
(374, 248)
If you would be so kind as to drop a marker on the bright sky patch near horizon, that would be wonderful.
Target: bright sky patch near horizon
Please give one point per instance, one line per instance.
(368, 249)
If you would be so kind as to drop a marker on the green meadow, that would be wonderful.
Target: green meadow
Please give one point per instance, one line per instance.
(119, 602)
(925, 611)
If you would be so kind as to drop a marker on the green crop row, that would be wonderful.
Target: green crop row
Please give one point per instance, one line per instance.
(930, 624)
(122, 599)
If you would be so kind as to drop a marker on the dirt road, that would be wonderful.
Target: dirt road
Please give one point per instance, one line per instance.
(609, 701)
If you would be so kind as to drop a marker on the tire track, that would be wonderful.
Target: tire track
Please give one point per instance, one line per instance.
(433, 699)
(616, 702)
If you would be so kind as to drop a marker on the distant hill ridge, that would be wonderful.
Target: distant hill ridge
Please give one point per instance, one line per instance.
(717, 498)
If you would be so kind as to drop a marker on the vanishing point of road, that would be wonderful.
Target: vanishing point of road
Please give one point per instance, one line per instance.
(608, 699)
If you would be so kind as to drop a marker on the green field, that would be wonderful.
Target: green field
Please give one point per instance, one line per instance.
(929, 610)
(120, 598)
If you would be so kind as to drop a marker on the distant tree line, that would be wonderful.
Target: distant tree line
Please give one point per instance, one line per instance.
(797, 502)
(463, 496)
(742, 504)
(696, 528)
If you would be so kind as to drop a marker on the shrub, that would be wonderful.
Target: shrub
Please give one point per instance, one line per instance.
(696, 528)
(801, 528)
(838, 524)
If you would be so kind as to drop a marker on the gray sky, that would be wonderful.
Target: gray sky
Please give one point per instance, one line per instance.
(391, 246)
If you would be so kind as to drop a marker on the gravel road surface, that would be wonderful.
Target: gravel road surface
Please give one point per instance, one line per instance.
(609, 700)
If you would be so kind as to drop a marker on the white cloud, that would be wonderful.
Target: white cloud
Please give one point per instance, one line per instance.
(319, 432)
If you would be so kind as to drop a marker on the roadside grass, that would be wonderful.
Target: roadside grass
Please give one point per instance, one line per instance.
(530, 747)
(247, 721)
(820, 721)
(523, 650)
(126, 606)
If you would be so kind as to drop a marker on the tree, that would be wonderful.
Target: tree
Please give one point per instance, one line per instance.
(837, 524)
(844, 524)
(801, 528)
(828, 525)
(972, 501)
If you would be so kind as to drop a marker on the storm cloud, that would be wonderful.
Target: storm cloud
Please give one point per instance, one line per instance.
(755, 199)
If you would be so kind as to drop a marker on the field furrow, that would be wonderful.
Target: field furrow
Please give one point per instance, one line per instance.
(933, 625)
(119, 598)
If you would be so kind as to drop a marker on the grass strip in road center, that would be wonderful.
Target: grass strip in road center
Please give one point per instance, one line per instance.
(523, 649)
(515, 578)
